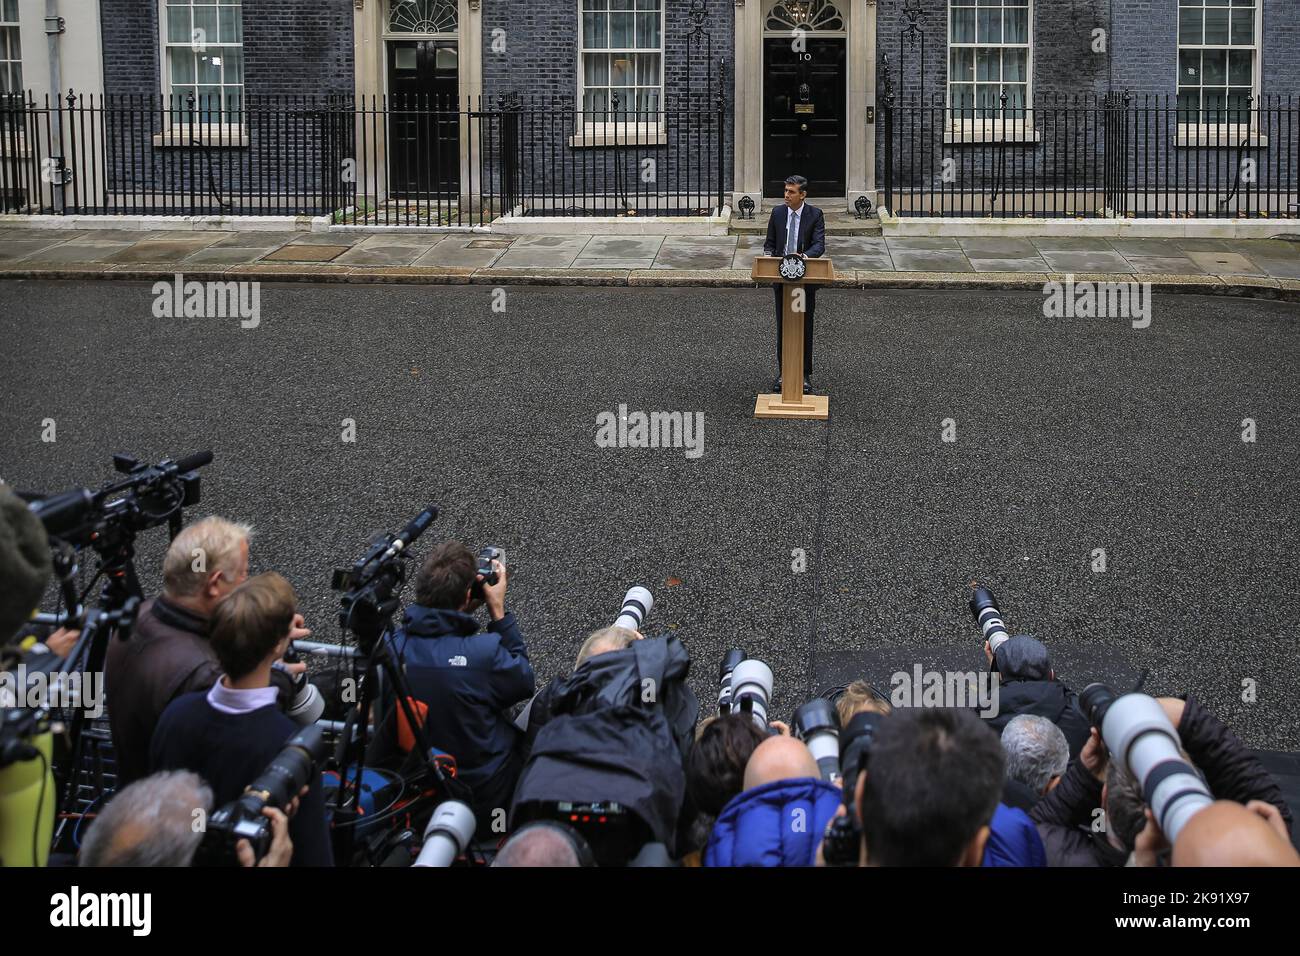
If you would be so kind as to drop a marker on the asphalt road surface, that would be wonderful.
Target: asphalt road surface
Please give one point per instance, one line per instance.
(1072, 435)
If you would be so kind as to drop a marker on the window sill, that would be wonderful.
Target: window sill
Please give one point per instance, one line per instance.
(220, 137)
(1218, 137)
(1014, 134)
(602, 136)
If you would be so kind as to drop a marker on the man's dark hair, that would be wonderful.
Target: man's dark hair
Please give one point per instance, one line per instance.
(445, 576)
(715, 769)
(799, 181)
(250, 621)
(934, 778)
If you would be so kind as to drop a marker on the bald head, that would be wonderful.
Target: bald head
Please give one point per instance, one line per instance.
(1227, 834)
(779, 758)
(538, 845)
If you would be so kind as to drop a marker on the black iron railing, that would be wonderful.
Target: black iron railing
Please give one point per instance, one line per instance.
(1115, 155)
(388, 160)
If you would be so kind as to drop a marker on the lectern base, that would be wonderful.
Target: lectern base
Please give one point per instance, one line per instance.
(771, 405)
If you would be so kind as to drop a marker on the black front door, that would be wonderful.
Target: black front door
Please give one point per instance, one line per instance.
(803, 115)
(424, 123)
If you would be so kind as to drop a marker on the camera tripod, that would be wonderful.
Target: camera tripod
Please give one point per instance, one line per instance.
(369, 617)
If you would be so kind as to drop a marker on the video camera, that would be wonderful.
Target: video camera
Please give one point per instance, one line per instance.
(150, 495)
(370, 584)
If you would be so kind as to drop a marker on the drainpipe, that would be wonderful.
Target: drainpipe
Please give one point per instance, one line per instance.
(54, 28)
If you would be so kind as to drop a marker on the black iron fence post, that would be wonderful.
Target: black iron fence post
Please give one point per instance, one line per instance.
(722, 131)
(886, 120)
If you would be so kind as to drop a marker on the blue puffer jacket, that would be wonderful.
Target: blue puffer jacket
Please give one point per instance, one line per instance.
(1013, 840)
(777, 824)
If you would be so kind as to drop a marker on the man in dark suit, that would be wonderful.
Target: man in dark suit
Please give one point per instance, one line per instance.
(808, 239)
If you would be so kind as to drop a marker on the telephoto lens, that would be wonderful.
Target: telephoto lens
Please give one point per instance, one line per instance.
(751, 689)
(818, 726)
(242, 819)
(447, 835)
(725, 670)
(636, 607)
(984, 608)
(1137, 731)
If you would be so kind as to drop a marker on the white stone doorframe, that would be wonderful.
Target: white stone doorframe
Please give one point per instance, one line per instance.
(861, 59)
(370, 60)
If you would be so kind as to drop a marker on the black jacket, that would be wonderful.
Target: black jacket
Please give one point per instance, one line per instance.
(1232, 771)
(812, 231)
(1065, 815)
(1043, 698)
(166, 655)
(619, 729)
(1065, 820)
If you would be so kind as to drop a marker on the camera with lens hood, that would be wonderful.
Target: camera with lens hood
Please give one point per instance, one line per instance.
(1138, 733)
(276, 786)
(984, 608)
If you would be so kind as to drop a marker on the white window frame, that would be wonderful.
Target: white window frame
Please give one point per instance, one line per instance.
(592, 132)
(221, 135)
(961, 129)
(14, 141)
(1221, 135)
(17, 27)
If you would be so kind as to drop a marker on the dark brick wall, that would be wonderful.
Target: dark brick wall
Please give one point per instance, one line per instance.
(291, 48)
(540, 62)
(1141, 58)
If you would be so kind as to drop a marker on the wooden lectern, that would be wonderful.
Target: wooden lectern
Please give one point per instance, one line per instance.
(791, 402)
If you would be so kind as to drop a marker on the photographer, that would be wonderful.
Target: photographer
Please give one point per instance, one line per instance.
(168, 653)
(230, 733)
(780, 816)
(538, 710)
(1028, 685)
(464, 680)
(1232, 773)
(621, 727)
(1037, 757)
(930, 791)
(715, 773)
(151, 823)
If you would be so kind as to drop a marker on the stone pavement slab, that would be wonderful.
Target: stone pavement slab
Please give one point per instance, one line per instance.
(15, 249)
(460, 251)
(934, 259)
(1225, 263)
(1089, 261)
(1164, 265)
(1017, 264)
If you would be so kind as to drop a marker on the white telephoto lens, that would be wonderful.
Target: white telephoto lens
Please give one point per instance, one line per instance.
(636, 607)
(447, 834)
